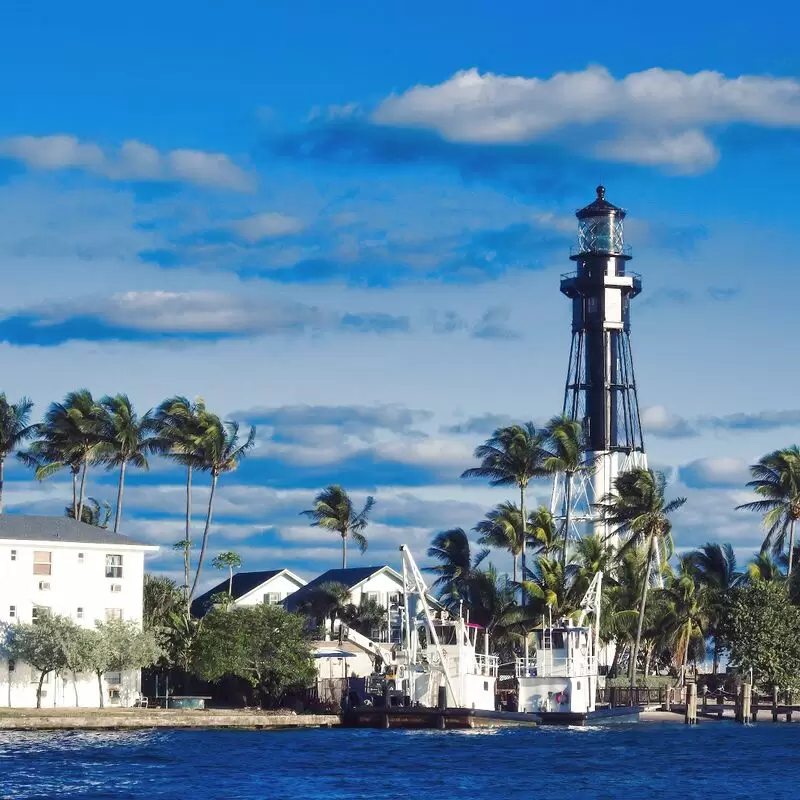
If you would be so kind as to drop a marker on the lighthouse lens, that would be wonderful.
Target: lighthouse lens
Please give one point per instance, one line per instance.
(600, 235)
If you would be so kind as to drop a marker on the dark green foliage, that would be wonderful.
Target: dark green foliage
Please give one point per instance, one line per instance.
(264, 644)
(760, 628)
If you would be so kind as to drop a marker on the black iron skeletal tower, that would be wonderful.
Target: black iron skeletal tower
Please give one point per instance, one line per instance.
(601, 389)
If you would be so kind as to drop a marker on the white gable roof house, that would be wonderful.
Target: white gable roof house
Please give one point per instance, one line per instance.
(252, 588)
(75, 570)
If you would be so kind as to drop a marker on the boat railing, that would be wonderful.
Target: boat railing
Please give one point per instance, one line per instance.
(487, 665)
(547, 667)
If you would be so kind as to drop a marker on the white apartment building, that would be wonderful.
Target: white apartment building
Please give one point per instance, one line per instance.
(75, 570)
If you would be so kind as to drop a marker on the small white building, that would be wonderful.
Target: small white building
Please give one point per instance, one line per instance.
(251, 589)
(69, 568)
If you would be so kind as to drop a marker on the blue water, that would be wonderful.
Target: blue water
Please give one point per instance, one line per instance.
(649, 760)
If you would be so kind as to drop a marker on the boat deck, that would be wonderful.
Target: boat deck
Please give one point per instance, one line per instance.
(438, 719)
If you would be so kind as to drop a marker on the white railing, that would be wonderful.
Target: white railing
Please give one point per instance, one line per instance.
(487, 665)
(547, 667)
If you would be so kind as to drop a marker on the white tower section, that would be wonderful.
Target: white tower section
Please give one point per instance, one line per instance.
(601, 389)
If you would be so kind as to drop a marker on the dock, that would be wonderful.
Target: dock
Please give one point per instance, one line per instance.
(401, 717)
(142, 719)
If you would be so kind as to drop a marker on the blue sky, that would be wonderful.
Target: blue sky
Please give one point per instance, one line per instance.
(346, 224)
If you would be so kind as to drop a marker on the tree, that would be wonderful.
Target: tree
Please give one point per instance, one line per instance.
(221, 451)
(180, 426)
(94, 513)
(263, 644)
(547, 587)
(565, 447)
(230, 561)
(47, 645)
(161, 598)
(502, 528)
(333, 510)
(542, 530)
(715, 568)
(456, 566)
(776, 480)
(763, 567)
(512, 456)
(366, 617)
(127, 440)
(70, 437)
(15, 430)
(116, 645)
(326, 602)
(759, 625)
(638, 511)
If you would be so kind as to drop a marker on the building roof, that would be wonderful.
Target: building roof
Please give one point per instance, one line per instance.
(350, 577)
(243, 583)
(59, 529)
(600, 207)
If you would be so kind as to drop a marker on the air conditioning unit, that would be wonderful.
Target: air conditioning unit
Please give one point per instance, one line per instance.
(116, 587)
(44, 586)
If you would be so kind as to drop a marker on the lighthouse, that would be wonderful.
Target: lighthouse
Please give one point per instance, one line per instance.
(600, 391)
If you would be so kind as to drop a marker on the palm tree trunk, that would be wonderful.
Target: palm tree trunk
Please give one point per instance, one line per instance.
(686, 649)
(642, 607)
(2, 480)
(187, 540)
(74, 493)
(524, 540)
(567, 517)
(791, 548)
(230, 579)
(514, 558)
(716, 653)
(214, 478)
(120, 490)
(84, 470)
(344, 551)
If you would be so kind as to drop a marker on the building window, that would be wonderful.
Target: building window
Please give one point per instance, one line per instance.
(12, 665)
(79, 614)
(38, 612)
(13, 555)
(42, 562)
(113, 566)
(373, 597)
(113, 678)
(272, 598)
(12, 611)
(113, 613)
(80, 558)
(591, 305)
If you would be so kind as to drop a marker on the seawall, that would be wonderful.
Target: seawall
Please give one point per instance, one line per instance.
(138, 718)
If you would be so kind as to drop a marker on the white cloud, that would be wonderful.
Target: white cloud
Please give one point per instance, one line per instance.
(714, 473)
(660, 114)
(661, 422)
(268, 225)
(132, 161)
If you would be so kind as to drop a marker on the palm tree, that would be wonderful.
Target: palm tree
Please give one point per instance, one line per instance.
(502, 528)
(512, 456)
(638, 510)
(542, 530)
(128, 439)
(492, 603)
(326, 602)
(180, 424)
(221, 451)
(161, 601)
(94, 513)
(230, 561)
(715, 567)
(455, 568)
(763, 567)
(688, 607)
(15, 429)
(70, 436)
(547, 587)
(776, 480)
(565, 448)
(334, 511)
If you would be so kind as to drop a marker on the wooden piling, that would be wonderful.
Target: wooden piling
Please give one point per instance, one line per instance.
(690, 717)
(774, 703)
(747, 699)
(720, 705)
(789, 705)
